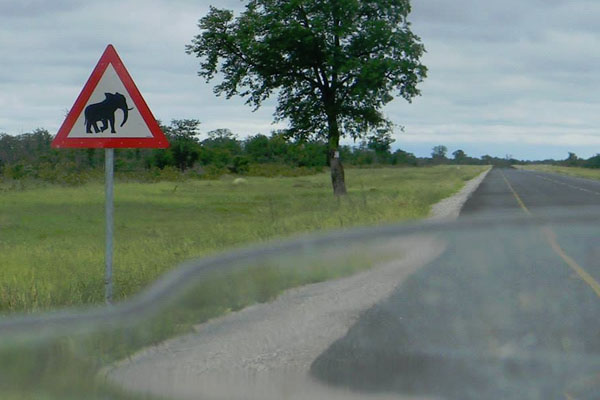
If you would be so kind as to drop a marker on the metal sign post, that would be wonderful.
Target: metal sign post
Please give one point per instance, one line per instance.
(109, 204)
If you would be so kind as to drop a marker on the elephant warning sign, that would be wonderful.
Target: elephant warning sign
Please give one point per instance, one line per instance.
(110, 112)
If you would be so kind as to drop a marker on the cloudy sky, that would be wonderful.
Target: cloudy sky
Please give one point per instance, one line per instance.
(510, 77)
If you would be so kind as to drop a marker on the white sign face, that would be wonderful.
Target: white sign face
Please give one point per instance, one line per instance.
(109, 100)
(110, 112)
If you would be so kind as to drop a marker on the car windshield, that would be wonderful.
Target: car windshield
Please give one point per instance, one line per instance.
(495, 306)
(299, 199)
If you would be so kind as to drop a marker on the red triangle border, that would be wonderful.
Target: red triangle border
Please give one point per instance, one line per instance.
(110, 56)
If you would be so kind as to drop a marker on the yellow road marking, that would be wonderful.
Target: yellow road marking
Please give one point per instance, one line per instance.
(583, 274)
(514, 192)
(551, 237)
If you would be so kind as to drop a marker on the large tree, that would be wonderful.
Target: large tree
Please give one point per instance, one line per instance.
(333, 64)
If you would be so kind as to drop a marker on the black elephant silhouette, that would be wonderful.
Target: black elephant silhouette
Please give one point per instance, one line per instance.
(105, 112)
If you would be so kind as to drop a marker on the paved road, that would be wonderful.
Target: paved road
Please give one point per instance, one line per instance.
(508, 312)
(537, 190)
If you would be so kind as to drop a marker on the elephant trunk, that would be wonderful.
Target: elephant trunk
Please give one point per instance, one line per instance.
(125, 114)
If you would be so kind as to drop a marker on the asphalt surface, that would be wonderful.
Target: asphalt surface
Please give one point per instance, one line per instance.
(507, 312)
(539, 192)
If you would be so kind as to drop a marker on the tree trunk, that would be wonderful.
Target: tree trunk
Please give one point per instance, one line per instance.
(337, 173)
(337, 170)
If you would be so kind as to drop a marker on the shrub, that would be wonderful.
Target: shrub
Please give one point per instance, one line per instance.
(240, 165)
(593, 162)
(17, 171)
(170, 173)
(272, 170)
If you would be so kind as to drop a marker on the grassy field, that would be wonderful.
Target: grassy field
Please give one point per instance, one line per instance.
(571, 171)
(52, 237)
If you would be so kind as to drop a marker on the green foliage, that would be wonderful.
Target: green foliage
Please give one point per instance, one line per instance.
(220, 148)
(281, 170)
(64, 173)
(239, 165)
(26, 147)
(401, 157)
(308, 154)
(221, 152)
(343, 57)
(438, 153)
(593, 162)
(380, 142)
(185, 153)
(572, 160)
(258, 148)
(459, 156)
(184, 150)
(16, 171)
(161, 158)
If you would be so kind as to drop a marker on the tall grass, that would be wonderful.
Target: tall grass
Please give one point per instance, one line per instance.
(52, 238)
(578, 172)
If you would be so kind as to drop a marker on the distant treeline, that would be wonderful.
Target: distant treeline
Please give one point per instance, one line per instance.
(573, 161)
(221, 152)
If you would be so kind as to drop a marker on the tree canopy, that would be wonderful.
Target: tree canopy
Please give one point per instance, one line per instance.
(439, 152)
(333, 64)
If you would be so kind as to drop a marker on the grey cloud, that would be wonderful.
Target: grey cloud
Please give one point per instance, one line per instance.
(499, 70)
(35, 8)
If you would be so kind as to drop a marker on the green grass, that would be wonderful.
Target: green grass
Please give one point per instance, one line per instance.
(589, 173)
(52, 238)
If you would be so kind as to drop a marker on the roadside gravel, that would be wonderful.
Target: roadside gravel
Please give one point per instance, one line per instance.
(265, 351)
(449, 208)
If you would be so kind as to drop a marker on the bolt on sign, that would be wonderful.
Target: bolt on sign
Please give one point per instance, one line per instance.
(110, 113)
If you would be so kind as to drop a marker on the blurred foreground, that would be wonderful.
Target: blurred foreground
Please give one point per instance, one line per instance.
(484, 308)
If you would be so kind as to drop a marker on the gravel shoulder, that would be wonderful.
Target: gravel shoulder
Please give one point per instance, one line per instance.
(265, 351)
(449, 208)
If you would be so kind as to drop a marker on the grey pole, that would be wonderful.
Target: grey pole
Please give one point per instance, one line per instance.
(109, 169)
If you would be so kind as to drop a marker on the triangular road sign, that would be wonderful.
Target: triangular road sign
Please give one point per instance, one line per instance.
(110, 112)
